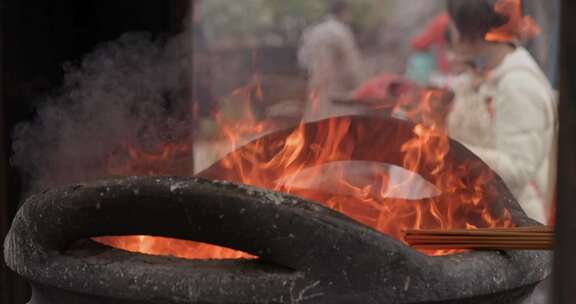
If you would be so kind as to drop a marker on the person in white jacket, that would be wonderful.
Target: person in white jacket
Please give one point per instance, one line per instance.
(331, 57)
(505, 112)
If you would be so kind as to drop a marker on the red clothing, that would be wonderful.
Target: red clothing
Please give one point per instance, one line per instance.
(434, 35)
(380, 86)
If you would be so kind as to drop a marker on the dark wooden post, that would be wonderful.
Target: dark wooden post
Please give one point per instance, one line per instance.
(178, 12)
(565, 255)
(71, 29)
(13, 289)
(5, 295)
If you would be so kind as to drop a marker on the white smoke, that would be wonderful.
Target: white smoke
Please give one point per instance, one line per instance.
(133, 91)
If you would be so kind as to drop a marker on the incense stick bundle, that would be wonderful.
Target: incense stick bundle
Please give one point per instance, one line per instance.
(520, 238)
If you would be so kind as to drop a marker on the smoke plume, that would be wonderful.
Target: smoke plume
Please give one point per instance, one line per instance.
(132, 92)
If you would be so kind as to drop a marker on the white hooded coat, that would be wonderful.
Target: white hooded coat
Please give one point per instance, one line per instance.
(510, 122)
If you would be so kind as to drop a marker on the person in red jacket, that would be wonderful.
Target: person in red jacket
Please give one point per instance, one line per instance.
(435, 36)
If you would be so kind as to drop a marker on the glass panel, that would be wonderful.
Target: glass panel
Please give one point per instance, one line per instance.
(477, 72)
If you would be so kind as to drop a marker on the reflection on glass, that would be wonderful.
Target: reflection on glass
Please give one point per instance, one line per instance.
(472, 70)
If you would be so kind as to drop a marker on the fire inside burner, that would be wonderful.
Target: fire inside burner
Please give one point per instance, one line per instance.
(172, 247)
(342, 163)
(339, 163)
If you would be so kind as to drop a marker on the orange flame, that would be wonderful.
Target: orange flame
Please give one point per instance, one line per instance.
(172, 247)
(161, 161)
(248, 125)
(312, 164)
(324, 164)
(518, 27)
(174, 159)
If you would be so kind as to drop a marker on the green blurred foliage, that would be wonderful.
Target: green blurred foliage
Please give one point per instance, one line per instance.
(234, 19)
(261, 22)
(368, 14)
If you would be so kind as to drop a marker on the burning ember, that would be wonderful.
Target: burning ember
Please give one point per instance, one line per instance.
(518, 26)
(339, 163)
(172, 247)
(160, 161)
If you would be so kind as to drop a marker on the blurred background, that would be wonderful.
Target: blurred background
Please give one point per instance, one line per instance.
(217, 64)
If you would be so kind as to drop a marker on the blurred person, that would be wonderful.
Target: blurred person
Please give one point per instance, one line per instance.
(435, 38)
(430, 50)
(403, 21)
(331, 57)
(437, 41)
(505, 112)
